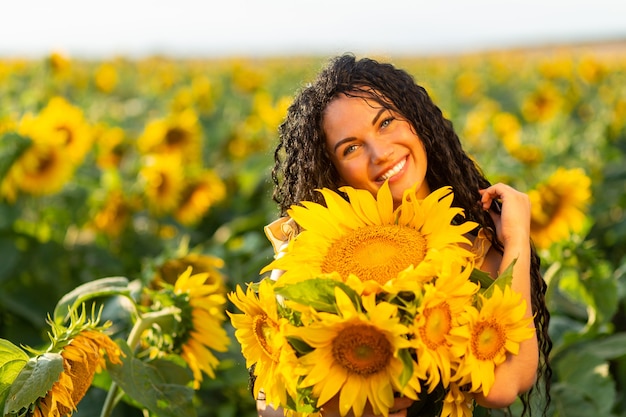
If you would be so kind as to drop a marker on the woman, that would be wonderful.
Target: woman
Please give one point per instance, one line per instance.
(361, 123)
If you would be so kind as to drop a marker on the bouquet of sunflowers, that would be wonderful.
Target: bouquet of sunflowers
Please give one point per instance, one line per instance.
(376, 302)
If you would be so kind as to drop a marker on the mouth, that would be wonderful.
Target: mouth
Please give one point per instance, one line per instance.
(393, 171)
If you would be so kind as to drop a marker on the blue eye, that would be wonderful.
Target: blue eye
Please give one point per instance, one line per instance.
(386, 122)
(349, 149)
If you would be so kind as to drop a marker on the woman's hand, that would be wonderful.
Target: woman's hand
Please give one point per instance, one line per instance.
(399, 408)
(513, 225)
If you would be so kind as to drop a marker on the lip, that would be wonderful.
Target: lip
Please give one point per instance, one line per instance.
(400, 165)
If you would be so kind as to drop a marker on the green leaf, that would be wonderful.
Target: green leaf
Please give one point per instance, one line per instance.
(506, 277)
(12, 147)
(571, 401)
(172, 371)
(299, 345)
(481, 277)
(602, 287)
(93, 289)
(407, 366)
(589, 380)
(318, 293)
(305, 401)
(608, 348)
(572, 287)
(503, 280)
(487, 283)
(153, 385)
(12, 361)
(34, 381)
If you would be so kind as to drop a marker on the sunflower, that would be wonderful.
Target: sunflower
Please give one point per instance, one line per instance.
(442, 302)
(163, 182)
(106, 77)
(457, 403)
(60, 139)
(172, 268)
(111, 146)
(355, 355)
(198, 196)
(42, 169)
(508, 129)
(544, 104)
(115, 215)
(260, 331)
(59, 63)
(202, 91)
(202, 317)
(528, 154)
(82, 359)
(558, 206)
(495, 329)
(367, 238)
(83, 346)
(63, 125)
(179, 133)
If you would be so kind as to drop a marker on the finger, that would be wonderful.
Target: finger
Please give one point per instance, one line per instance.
(492, 193)
(486, 197)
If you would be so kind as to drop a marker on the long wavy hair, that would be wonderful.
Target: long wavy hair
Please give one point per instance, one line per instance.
(303, 164)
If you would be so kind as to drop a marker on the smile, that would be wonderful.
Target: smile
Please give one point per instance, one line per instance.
(393, 171)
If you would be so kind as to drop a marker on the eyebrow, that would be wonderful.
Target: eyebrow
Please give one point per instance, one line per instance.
(351, 138)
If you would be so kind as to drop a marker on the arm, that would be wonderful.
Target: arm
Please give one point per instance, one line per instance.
(518, 373)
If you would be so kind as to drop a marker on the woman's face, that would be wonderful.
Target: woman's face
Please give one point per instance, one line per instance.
(369, 144)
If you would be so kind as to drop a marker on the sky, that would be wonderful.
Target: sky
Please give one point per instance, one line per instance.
(211, 28)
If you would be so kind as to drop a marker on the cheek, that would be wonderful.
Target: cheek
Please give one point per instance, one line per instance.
(350, 174)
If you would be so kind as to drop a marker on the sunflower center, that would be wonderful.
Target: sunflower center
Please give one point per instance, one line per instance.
(362, 350)
(264, 330)
(375, 252)
(551, 203)
(175, 136)
(45, 162)
(488, 339)
(437, 326)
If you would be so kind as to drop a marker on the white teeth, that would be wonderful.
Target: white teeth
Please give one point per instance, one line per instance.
(393, 171)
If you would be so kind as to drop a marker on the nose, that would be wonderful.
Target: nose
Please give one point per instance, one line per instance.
(381, 152)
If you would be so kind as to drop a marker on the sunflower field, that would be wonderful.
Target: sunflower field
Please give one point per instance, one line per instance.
(134, 192)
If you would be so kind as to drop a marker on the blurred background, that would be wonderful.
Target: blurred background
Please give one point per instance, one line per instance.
(172, 111)
(282, 27)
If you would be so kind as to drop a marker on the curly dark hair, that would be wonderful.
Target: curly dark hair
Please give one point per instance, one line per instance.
(303, 163)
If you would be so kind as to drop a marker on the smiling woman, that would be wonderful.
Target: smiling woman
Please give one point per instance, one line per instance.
(386, 141)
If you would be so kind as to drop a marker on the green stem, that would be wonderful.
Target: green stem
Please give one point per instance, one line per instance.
(143, 323)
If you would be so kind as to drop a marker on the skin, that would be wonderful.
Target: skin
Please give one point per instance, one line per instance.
(369, 145)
